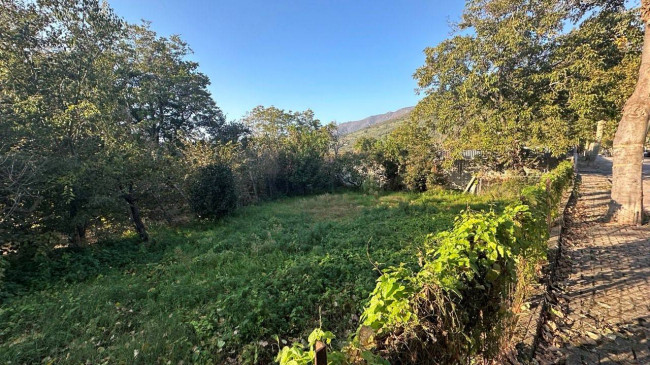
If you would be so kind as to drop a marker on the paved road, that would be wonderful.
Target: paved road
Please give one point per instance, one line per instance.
(604, 287)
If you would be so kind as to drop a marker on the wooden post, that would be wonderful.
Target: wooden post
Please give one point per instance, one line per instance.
(470, 185)
(321, 353)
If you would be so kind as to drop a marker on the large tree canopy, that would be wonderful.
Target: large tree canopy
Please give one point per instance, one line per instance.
(289, 149)
(95, 115)
(535, 74)
(167, 96)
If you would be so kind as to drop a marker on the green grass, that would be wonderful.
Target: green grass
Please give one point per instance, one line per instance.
(219, 292)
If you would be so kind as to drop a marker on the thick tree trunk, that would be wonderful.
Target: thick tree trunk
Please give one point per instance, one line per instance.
(627, 189)
(135, 215)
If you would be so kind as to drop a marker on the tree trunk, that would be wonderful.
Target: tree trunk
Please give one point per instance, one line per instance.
(254, 184)
(135, 215)
(78, 238)
(78, 234)
(627, 188)
(594, 147)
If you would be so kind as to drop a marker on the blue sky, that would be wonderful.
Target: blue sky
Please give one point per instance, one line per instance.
(344, 59)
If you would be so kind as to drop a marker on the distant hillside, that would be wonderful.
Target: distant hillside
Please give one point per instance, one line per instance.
(349, 127)
(376, 130)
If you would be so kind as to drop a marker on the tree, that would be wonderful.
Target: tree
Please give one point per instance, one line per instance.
(167, 95)
(409, 157)
(419, 155)
(592, 75)
(535, 74)
(627, 183)
(482, 86)
(58, 110)
(287, 151)
(96, 116)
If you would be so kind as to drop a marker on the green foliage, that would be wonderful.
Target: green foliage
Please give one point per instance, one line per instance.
(298, 355)
(419, 156)
(100, 118)
(409, 157)
(212, 291)
(96, 116)
(168, 101)
(538, 74)
(122, 139)
(287, 153)
(458, 304)
(595, 71)
(389, 303)
(478, 251)
(65, 135)
(213, 194)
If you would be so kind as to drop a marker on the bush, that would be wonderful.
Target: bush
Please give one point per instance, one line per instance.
(213, 193)
(3, 267)
(458, 307)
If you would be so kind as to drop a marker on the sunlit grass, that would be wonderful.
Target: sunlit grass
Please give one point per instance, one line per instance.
(221, 290)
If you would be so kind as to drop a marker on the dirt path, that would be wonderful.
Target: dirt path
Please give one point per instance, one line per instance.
(603, 290)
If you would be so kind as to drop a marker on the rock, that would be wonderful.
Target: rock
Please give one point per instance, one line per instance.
(592, 335)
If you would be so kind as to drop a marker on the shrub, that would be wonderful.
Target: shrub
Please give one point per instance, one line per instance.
(213, 193)
(3, 267)
(458, 306)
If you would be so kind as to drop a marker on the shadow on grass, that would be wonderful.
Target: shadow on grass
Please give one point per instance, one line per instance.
(38, 271)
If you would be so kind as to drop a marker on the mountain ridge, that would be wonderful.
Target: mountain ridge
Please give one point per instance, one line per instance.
(355, 125)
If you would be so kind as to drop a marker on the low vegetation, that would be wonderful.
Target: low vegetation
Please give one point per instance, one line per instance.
(217, 291)
(458, 305)
(138, 225)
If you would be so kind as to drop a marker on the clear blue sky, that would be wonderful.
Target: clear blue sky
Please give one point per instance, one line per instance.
(344, 59)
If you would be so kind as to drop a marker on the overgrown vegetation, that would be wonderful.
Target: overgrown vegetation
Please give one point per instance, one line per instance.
(107, 125)
(212, 193)
(217, 291)
(131, 228)
(407, 158)
(458, 306)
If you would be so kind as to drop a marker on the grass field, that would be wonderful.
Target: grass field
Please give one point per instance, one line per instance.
(219, 292)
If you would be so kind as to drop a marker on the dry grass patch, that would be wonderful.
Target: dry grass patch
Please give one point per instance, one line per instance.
(331, 207)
